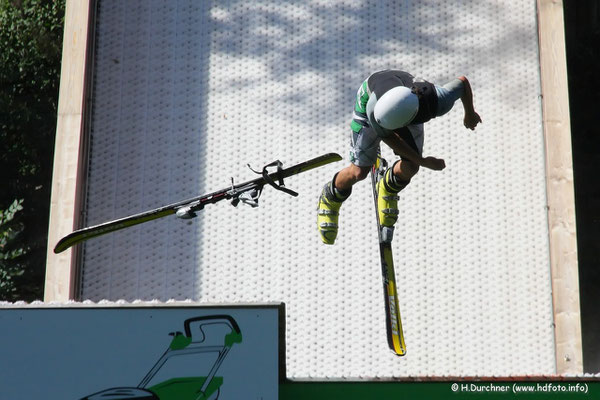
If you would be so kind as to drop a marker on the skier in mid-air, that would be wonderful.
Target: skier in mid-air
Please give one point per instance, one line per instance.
(391, 106)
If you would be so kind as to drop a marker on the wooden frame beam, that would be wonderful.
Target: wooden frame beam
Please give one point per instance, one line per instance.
(559, 187)
(69, 158)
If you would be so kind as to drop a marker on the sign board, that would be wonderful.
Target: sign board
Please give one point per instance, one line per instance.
(149, 351)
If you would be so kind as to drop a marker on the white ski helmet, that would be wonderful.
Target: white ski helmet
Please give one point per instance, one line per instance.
(396, 108)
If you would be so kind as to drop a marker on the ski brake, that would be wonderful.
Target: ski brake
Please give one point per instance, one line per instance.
(251, 194)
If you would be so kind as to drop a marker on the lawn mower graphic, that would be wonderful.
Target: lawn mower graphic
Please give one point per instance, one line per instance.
(206, 342)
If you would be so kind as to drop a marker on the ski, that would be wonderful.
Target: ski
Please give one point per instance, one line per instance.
(247, 192)
(395, 336)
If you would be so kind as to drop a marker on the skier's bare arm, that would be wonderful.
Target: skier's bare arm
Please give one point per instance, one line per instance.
(471, 117)
(401, 148)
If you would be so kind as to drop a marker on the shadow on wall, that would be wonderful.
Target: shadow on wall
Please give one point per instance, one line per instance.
(340, 41)
(152, 81)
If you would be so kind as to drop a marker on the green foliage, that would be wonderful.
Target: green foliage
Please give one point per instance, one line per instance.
(30, 55)
(11, 251)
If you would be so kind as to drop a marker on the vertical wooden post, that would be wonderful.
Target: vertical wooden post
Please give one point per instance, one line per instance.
(560, 190)
(68, 179)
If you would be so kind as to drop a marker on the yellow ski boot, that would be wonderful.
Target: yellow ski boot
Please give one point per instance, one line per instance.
(387, 199)
(328, 213)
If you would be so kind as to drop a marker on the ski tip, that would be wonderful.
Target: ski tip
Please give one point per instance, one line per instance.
(60, 247)
(399, 352)
(396, 343)
(65, 243)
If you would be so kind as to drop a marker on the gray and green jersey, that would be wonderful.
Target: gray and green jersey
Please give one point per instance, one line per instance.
(359, 118)
(371, 89)
(364, 143)
(434, 100)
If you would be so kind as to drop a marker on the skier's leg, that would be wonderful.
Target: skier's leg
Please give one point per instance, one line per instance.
(333, 195)
(395, 179)
(404, 170)
(328, 211)
(363, 154)
(346, 178)
(398, 176)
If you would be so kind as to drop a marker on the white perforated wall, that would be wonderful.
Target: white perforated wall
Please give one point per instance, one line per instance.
(187, 92)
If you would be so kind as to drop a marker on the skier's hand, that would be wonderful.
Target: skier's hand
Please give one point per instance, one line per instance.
(471, 120)
(436, 164)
